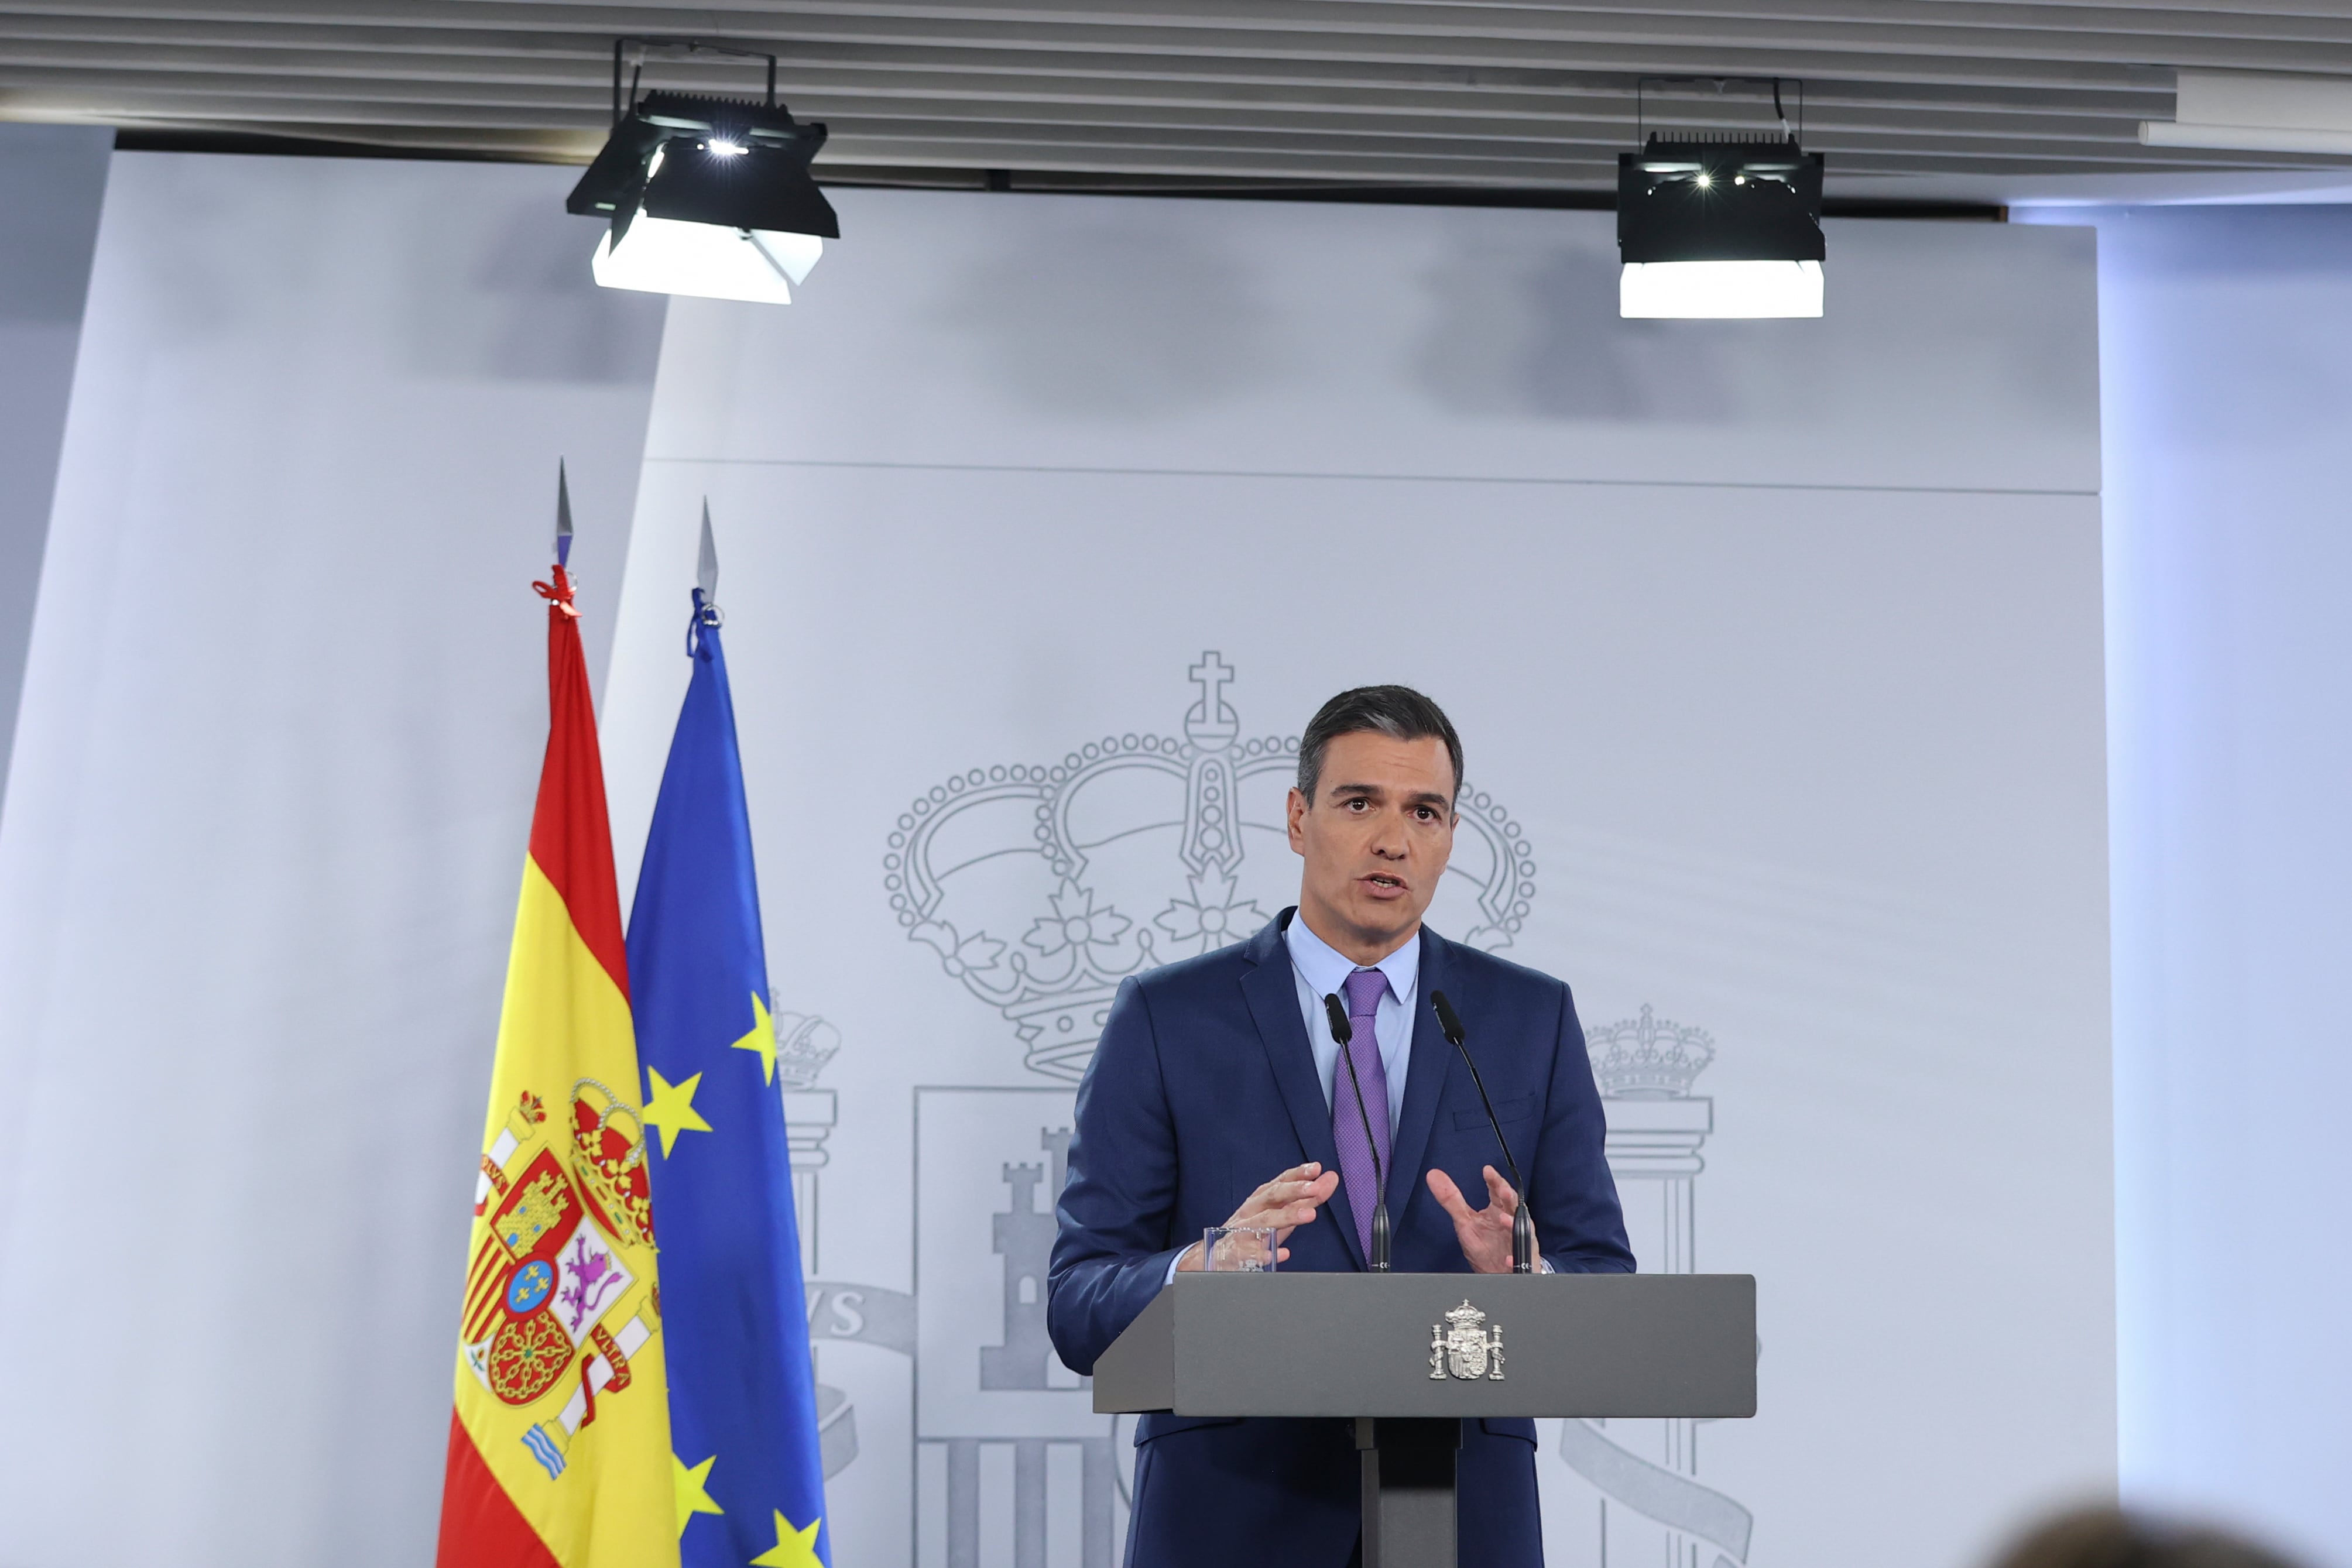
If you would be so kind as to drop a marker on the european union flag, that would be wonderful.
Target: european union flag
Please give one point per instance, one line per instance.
(742, 1396)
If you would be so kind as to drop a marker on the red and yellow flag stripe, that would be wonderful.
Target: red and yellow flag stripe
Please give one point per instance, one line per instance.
(559, 1447)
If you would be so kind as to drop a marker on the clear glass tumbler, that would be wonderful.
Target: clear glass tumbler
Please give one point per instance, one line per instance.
(1238, 1249)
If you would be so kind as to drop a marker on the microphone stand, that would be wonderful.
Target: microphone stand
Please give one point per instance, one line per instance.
(1522, 1223)
(1344, 1032)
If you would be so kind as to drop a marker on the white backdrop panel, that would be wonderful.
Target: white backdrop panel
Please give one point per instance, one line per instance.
(1287, 337)
(1804, 778)
(2226, 347)
(283, 714)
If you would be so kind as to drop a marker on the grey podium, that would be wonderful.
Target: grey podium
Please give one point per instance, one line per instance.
(1407, 1356)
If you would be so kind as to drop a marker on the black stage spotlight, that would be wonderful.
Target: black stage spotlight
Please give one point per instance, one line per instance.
(707, 196)
(1720, 227)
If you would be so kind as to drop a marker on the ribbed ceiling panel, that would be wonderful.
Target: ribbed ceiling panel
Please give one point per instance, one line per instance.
(1320, 92)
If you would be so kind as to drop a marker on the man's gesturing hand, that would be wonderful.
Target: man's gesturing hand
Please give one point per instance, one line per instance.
(1282, 1205)
(1485, 1233)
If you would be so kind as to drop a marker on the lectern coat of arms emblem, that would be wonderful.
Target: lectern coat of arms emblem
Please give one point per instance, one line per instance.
(1467, 1349)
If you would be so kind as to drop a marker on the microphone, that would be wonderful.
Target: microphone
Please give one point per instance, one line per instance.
(1523, 1224)
(1343, 1031)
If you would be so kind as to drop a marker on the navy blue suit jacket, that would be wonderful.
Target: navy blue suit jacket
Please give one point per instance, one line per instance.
(1203, 1089)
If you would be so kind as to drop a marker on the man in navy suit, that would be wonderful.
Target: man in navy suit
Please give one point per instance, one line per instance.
(1218, 1097)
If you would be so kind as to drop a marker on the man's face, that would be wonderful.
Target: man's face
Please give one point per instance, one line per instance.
(1375, 838)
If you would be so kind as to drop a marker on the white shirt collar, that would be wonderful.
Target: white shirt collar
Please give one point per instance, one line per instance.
(1324, 968)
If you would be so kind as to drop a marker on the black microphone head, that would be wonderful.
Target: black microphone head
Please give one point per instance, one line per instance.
(1341, 1029)
(1447, 1019)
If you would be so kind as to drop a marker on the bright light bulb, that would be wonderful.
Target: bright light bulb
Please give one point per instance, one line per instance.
(719, 148)
(1719, 289)
(1705, 181)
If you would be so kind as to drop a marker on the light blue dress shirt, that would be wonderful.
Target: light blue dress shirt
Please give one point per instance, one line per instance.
(1321, 970)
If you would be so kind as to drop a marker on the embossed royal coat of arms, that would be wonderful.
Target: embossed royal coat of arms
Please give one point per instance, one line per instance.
(1464, 1347)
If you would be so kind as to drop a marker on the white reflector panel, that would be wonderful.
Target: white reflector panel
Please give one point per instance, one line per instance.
(662, 255)
(1719, 288)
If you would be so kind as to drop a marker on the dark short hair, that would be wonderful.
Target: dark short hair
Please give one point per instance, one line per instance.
(2107, 1537)
(1397, 712)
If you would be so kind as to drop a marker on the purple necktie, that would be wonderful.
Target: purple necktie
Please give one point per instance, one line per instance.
(1363, 989)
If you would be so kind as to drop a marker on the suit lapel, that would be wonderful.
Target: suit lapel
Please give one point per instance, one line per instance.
(1271, 988)
(1424, 1080)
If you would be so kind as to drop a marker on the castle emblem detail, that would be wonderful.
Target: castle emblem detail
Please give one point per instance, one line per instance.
(1041, 886)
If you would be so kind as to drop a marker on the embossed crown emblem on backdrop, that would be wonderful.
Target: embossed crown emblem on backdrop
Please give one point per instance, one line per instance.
(1648, 1057)
(1041, 885)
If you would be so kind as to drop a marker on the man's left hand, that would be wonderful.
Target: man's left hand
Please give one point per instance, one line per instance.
(1485, 1233)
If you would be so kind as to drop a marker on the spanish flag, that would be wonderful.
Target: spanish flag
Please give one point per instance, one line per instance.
(559, 1449)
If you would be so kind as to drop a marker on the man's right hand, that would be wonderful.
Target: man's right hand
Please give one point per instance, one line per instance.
(1282, 1205)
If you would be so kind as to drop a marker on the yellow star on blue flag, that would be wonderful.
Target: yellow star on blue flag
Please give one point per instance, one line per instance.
(793, 1548)
(670, 1107)
(762, 1037)
(691, 1486)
